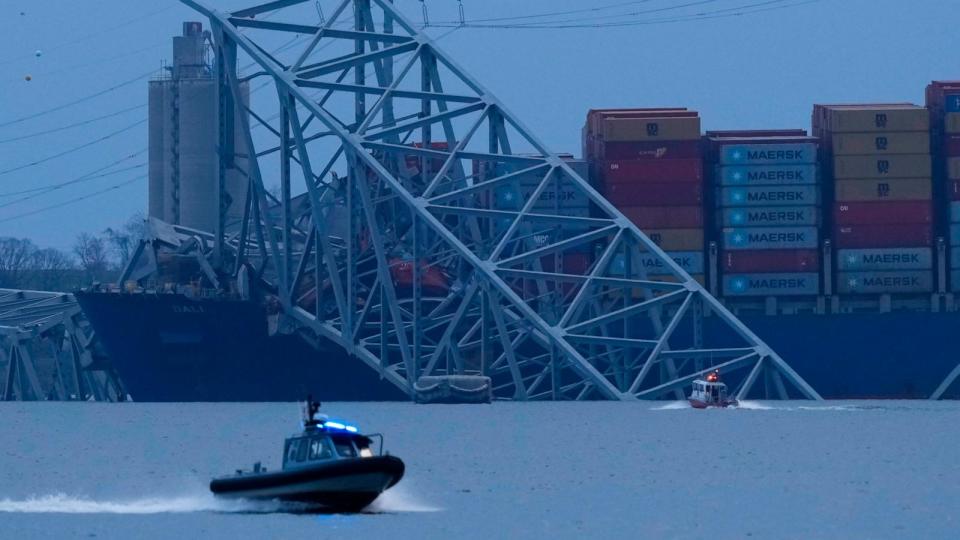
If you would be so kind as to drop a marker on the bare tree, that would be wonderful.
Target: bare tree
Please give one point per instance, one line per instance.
(123, 241)
(91, 252)
(15, 256)
(50, 269)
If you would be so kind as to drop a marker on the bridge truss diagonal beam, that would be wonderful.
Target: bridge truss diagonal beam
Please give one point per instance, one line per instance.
(436, 244)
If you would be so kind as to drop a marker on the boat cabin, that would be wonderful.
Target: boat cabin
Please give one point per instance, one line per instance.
(309, 447)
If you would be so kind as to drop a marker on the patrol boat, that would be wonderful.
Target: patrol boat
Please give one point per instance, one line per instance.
(710, 392)
(329, 465)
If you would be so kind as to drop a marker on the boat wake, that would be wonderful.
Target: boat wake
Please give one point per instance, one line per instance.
(672, 406)
(391, 502)
(398, 500)
(61, 503)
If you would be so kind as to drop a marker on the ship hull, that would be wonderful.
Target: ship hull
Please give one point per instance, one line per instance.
(169, 348)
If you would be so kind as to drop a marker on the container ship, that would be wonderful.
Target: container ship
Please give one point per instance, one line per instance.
(838, 246)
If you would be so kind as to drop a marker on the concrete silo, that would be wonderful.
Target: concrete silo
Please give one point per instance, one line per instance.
(184, 165)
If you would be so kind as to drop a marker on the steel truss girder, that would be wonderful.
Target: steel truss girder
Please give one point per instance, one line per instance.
(504, 297)
(39, 328)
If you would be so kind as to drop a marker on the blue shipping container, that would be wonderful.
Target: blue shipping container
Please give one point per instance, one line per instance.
(955, 258)
(690, 261)
(788, 284)
(955, 281)
(567, 196)
(954, 234)
(885, 259)
(771, 238)
(908, 281)
(768, 154)
(952, 102)
(767, 175)
(769, 196)
(954, 211)
(768, 216)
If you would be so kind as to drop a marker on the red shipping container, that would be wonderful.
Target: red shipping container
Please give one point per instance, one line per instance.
(664, 217)
(652, 170)
(771, 260)
(882, 236)
(650, 150)
(654, 194)
(882, 213)
(573, 263)
(951, 145)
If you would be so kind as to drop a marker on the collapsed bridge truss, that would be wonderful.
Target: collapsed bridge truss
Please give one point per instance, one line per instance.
(410, 226)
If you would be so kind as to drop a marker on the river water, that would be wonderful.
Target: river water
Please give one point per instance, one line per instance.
(508, 470)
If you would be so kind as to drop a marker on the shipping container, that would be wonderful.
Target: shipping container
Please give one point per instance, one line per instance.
(767, 175)
(613, 150)
(769, 216)
(953, 190)
(893, 189)
(907, 281)
(846, 144)
(955, 212)
(677, 239)
(951, 103)
(953, 168)
(654, 194)
(892, 166)
(863, 120)
(652, 170)
(785, 284)
(768, 154)
(951, 123)
(664, 217)
(882, 236)
(690, 261)
(882, 213)
(951, 145)
(644, 129)
(770, 238)
(955, 281)
(955, 260)
(768, 196)
(773, 260)
(954, 234)
(570, 263)
(563, 195)
(861, 260)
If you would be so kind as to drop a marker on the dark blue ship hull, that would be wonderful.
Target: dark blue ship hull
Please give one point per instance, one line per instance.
(167, 347)
(170, 348)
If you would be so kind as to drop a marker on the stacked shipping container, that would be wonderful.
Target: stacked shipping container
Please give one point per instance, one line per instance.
(768, 210)
(648, 163)
(943, 103)
(878, 156)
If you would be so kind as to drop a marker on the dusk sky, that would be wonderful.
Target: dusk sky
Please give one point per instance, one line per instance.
(757, 70)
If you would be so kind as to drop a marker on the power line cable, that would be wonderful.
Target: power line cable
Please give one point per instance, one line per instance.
(75, 148)
(49, 189)
(75, 124)
(79, 178)
(74, 200)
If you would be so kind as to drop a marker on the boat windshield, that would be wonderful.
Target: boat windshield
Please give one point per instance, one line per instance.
(344, 446)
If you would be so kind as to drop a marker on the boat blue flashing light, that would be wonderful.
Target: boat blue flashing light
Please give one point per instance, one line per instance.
(340, 426)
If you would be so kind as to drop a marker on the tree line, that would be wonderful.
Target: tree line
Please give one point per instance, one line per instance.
(92, 258)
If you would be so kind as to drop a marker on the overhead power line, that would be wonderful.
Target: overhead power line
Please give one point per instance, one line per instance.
(73, 125)
(631, 18)
(74, 200)
(75, 148)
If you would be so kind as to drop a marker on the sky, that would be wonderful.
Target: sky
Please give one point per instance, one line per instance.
(759, 70)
